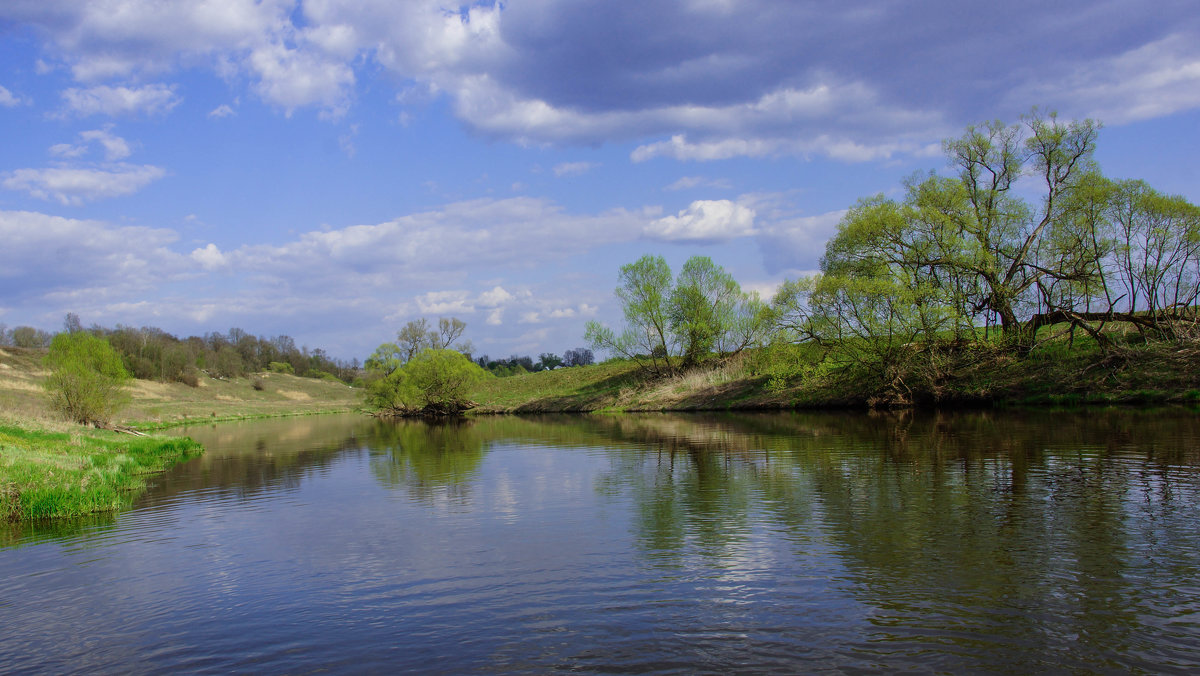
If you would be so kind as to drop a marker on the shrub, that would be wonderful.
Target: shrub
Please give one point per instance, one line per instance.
(280, 367)
(190, 377)
(258, 384)
(87, 379)
(434, 382)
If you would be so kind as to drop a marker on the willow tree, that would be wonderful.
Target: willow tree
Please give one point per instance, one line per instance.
(709, 312)
(702, 311)
(644, 294)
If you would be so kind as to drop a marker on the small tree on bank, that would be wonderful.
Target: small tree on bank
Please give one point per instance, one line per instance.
(433, 382)
(87, 379)
(702, 311)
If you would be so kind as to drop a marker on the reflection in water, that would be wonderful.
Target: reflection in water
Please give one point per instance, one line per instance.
(429, 459)
(943, 542)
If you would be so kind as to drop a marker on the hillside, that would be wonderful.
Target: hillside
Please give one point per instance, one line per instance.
(161, 404)
(1055, 374)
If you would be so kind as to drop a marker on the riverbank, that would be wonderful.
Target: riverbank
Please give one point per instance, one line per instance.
(53, 469)
(802, 377)
(73, 471)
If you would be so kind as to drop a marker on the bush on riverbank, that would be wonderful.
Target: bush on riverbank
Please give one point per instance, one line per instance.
(87, 380)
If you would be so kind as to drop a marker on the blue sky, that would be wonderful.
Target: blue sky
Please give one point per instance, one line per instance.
(331, 169)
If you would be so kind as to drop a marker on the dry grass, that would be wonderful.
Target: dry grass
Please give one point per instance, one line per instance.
(155, 403)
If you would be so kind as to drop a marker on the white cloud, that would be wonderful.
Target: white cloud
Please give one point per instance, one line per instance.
(209, 257)
(74, 186)
(689, 182)
(783, 79)
(442, 244)
(843, 148)
(8, 99)
(1153, 80)
(495, 317)
(705, 221)
(85, 259)
(573, 168)
(151, 99)
(115, 147)
(445, 303)
(68, 151)
(293, 78)
(496, 297)
(221, 111)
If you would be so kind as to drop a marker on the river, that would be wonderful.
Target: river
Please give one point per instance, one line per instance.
(997, 541)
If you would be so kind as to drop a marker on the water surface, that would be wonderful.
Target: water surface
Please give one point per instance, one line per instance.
(983, 541)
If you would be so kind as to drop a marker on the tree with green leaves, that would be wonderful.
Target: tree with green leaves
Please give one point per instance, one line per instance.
(702, 311)
(962, 251)
(709, 312)
(87, 379)
(644, 293)
(433, 382)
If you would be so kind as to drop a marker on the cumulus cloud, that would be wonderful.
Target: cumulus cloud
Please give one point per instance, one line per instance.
(209, 257)
(441, 243)
(76, 185)
(747, 79)
(52, 265)
(151, 99)
(496, 297)
(8, 99)
(221, 111)
(293, 78)
(115, 147)
(45, 255)
(445, 302)
(705, 221)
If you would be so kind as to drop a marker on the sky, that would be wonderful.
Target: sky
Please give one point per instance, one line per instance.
(331, 169)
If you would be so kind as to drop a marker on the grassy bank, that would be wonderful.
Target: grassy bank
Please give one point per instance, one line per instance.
(156, 405)
(51, 469)
(802, 376)
(75, 472)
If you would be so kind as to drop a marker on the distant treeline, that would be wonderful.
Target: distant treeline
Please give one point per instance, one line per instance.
(151, 353)
(516, 365)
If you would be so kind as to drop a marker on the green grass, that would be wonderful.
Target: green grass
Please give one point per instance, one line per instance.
(56, 474)
(51, 469)
(1058, 373)
(578, 388)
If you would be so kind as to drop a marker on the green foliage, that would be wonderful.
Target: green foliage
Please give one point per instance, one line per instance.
(432, 382)
(280, 367)
(644, 292)
(87, 379)
(904, 282)
(27, 336)
(51, 475)
(702, 311)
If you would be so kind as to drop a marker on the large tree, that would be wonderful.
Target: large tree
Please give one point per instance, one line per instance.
(1028, 234)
